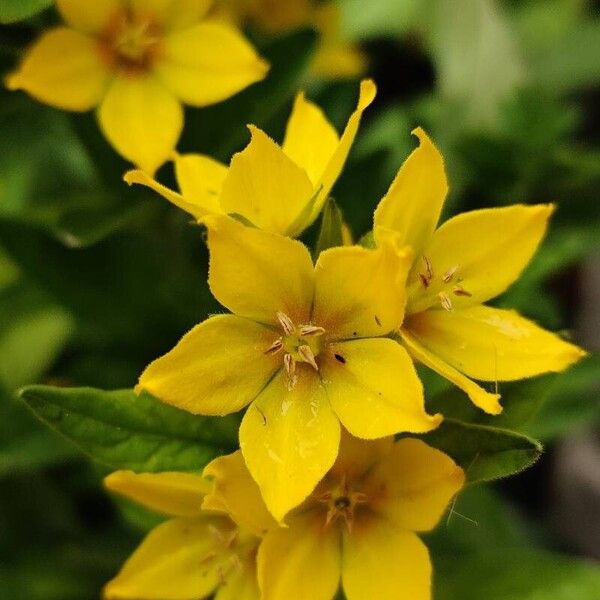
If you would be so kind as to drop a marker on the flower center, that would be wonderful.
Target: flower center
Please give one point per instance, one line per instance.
(448, 283)
(131, 42)
(299, 344)
(341, 502)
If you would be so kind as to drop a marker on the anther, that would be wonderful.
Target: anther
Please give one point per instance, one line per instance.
(307, 355)
(275, 347)
(311, 330)
(450, 274)
(424, 280)
(289, 364)
(458, 290)
(445, 301)
(428, 268)
(286, 323)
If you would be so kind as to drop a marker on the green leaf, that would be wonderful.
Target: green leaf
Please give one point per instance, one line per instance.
(515, 574)
(220, 130)
(485, 453)
(16, 10)
(125, 431)
(331, 233)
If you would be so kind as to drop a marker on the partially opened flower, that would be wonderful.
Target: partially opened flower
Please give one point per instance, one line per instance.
(138, 61)
(469, 259)
(276, 188)
(359, 526)
(197, 552)
(306, 347)
(335, 57)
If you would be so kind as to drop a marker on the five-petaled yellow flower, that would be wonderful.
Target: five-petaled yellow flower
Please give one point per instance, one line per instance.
(278, 189)
(359, 525)
(468, 260)
(335, 57)
(208, 545)
(306, 347)
(138, 61)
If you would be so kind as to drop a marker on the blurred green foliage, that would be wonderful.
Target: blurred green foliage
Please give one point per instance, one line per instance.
(97, 279)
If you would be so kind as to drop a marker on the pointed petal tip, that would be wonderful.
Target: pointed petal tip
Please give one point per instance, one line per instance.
(368, 91)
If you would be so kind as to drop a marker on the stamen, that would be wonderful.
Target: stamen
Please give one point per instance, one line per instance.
(445, 301)
(275, 347)
(290, 368)
(307, 354)
(286, 323)
(311, 330)
(450, 274)
(458, 290)
(424, 280)
(428, 268)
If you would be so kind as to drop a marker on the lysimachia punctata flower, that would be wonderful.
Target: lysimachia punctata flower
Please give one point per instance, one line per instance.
(306, 347)
(198, 551)
(137, 61)
(276, 188)
(359, 526)
(335, 57)
(468, 260)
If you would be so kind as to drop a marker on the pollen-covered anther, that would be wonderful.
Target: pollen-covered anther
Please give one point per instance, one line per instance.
(286, 323)
(426, 277)
(445, 301)
(449, 276)
(311, 330)
(308, 356)
(275, 347)
(458, 290)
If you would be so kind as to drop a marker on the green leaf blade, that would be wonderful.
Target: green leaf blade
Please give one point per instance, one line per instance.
(125, 431)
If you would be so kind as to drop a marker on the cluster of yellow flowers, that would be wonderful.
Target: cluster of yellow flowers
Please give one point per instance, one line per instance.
(320, 352)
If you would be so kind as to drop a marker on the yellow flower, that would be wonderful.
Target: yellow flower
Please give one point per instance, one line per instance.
(335, 57)
(469, 259)
(306, 347)
(137, 61)
(198, 551)
(359, 525)
(279, 189)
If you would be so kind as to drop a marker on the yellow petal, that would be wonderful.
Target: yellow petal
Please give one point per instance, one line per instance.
(356, 457)
(91, 17)
(255, 274)
(172, 14)
(481, 398)
(310, 139)
(486, 249)
(405, 572)
(419, 483)
(336, 162)
(413, 204)
(237, 494)
(339, 60)
(176, 494)
(301, 562)
(360, 292)
(64, 68)
(142, 178)
(141, 119)
(240, 584)
(216, 368)
(374, 389)
(265, 186)
(492, 344)
(208, 63)
(289, 439)
(178, 560)
(200, 179)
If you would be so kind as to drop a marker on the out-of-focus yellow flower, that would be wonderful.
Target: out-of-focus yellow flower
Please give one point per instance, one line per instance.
(279, 189)
(138, 61)
(199, 551)
(469, 259)
(335, 57)
(359, 525)
(306, 347)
